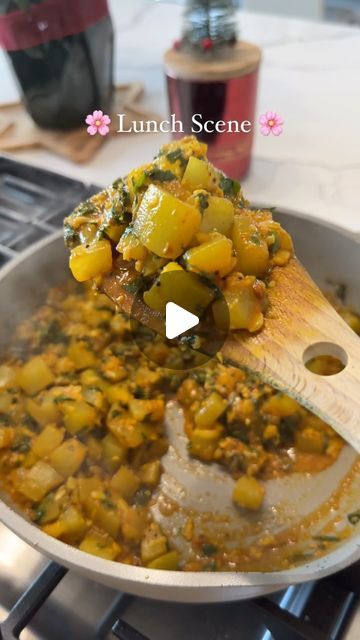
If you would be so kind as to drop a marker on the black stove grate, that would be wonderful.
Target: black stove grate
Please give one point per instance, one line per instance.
(33, 204)
(324, 616)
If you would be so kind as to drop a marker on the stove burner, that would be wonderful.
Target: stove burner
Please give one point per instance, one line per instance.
(324, 616)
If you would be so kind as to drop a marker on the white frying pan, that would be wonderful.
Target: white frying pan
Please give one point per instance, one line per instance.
(331, 256)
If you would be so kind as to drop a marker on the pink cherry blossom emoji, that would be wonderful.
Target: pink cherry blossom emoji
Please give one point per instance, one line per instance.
(271, 123)
(98, 123)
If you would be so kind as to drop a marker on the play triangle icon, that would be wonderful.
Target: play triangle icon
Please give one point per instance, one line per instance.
(178, 320)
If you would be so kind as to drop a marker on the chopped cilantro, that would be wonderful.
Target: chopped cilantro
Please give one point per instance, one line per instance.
(326, 538)
(203, 201)
(160, 175)
(53, 333)
(209, 549)
(230, 187)
(85, 208)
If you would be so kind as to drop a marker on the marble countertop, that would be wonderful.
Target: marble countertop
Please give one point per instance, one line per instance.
(310, 75)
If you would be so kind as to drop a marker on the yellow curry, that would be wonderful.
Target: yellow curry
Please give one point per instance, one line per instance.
(180, 213)
(82, 431)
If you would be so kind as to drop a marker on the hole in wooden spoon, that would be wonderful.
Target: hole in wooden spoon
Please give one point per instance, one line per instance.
(325, 358)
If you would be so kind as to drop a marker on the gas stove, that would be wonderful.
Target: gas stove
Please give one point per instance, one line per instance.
(43, 601)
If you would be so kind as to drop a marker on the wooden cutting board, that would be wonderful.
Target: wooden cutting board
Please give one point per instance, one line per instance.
(18, 131)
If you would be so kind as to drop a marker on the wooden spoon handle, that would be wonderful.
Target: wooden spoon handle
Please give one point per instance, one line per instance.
(301, 317)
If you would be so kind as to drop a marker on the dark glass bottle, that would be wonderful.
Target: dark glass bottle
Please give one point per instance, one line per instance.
(65, 79)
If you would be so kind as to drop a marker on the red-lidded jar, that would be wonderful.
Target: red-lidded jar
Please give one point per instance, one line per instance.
(218, 89)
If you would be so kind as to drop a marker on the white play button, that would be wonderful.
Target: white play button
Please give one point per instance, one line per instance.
(178, 320)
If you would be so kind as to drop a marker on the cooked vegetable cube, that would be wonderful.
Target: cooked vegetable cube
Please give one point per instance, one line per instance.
(213, 256)
(68, 458)
(210, 410)
(127, 431)
(133, 524)
(153, 264)
(107, 517)
(165, 224)
(81, 355)
(78, 415)
(49, 439)
(252, 253)
(43, 413)
(152, 410)
(89, 491)
(150, 473)
(245, 308)
(94, 448)
(113, 452)
(34, 376)
(8, 376)
(153, 547)
(271, 433)
(69, 527)
(280, 405)
(167, 562)
(248, 493)
(115, 231)
(100, 544)
(203, 442)
(7, 437)
(90, 261)
(200, 174)
(218, 215)
(118, 394)
(310, 440)
(186, 290)
(36, 482)
(91, 378)
(125, 482)
(48, 510)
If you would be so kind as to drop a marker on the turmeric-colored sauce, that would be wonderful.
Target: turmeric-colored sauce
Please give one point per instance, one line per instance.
(82, 438)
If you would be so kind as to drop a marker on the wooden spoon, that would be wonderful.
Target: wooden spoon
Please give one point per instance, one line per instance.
(300, 324)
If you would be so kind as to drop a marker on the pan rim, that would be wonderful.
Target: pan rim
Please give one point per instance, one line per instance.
(169, 581)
